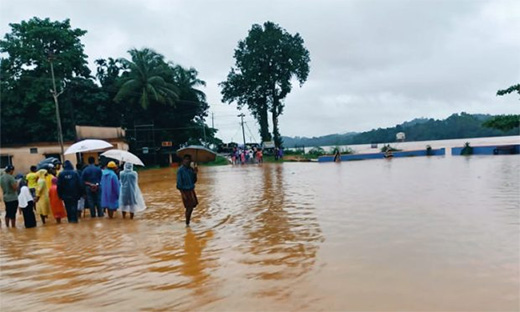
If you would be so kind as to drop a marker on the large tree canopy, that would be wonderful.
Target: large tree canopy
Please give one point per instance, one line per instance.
(148, 79)
(505, 122)
(28, 110)
(265, 63)
(147, 89)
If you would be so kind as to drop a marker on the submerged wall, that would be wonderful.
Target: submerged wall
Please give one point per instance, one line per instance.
(433, 152)
(490, 150)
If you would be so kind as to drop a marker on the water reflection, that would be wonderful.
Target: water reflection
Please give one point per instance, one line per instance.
(283, 236)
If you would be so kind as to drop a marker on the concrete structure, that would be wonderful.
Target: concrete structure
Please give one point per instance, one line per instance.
(23, 156)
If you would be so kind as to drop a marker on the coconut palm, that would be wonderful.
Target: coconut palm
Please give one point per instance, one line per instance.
(148, 78)
(188, 83)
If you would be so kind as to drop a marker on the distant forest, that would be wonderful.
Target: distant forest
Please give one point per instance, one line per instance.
(456, 126)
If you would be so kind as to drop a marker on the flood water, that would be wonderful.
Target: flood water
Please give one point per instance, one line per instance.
(414, 234)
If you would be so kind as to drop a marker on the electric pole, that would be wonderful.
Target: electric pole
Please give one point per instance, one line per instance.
(242, 124)
(212, 120)
(55, 95)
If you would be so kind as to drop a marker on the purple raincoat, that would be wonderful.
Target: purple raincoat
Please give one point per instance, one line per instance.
(109, 190)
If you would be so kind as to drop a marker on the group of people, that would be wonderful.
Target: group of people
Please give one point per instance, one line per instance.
(242, 156)
(66, 192)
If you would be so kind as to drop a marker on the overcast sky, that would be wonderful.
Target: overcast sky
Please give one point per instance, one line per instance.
(373, 63)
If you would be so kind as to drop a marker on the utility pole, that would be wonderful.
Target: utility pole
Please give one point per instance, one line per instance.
(55, 95)
(212, 120)
(204, 132)
(242, 124)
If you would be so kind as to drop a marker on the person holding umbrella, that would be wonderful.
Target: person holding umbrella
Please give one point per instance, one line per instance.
(186, 179)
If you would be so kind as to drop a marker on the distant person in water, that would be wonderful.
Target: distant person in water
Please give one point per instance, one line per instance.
(337, 156)
(110, 188)
(131, 199)
(186, 179)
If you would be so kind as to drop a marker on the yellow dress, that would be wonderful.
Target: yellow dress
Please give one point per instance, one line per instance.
(48, 180)
(43, 206)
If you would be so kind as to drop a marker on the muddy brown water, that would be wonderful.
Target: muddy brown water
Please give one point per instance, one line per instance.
(417, 234)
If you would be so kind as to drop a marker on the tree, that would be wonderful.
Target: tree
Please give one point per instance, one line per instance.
(28, 110)
(265, 63)
(505, 122)
(154, 91)
(147, 79)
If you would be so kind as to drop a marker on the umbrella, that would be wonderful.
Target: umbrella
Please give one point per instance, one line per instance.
(198, 153)
(87, 146)
(122, 155)
(44, 164)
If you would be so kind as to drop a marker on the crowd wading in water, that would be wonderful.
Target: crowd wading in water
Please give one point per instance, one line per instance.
(67, 193)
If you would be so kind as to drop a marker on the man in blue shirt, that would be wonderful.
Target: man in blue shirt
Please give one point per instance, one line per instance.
(186, 179)
(91, 177)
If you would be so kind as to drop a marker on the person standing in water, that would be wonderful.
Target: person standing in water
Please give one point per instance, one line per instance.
(43, 204)
(32, 180)
(70, 190)
(26, 205)
(186, 179)
(131, 200)
(57, 208)
(10, 189)
(91, 177)
(110, 187)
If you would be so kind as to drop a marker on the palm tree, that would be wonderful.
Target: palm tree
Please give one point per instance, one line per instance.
(148, 78)
(187, 83)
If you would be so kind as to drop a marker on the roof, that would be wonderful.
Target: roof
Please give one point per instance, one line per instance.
(88, 132)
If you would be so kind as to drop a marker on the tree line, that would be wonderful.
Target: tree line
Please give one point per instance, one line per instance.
(456, 126)
(144, 88)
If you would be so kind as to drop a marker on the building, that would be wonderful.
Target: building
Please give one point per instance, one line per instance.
(23, 156)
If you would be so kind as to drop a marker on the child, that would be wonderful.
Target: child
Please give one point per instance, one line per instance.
(26, 205)
(58, 210)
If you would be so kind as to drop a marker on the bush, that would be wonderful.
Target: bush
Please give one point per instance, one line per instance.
(316, 151)
(345, 150)
(467, 150)
(387, 147)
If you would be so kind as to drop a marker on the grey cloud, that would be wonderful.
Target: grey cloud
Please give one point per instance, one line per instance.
(375, 63)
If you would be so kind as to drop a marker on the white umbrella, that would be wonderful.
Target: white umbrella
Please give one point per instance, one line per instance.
(122, 155)
(87, 146)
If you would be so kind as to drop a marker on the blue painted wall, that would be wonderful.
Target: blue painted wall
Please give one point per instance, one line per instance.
(434, 152)
(487, 150)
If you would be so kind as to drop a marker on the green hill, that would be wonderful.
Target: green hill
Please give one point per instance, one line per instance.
(456, 126)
